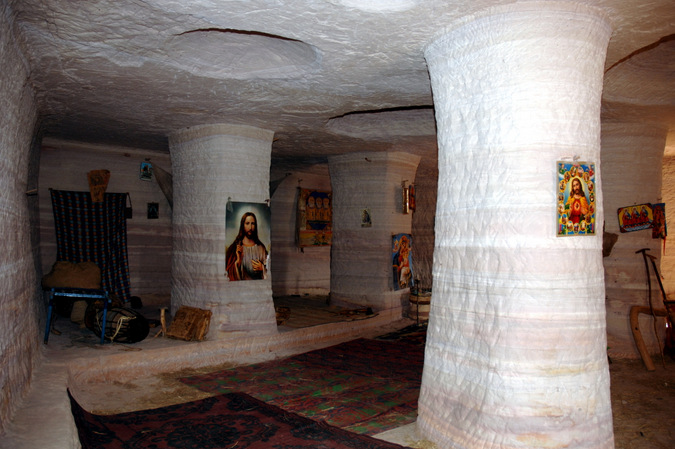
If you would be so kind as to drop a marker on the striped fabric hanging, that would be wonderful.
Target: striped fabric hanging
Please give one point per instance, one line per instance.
(94, 232)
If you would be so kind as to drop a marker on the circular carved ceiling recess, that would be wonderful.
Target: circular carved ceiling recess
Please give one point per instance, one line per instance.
(379, 5)
(236, 54)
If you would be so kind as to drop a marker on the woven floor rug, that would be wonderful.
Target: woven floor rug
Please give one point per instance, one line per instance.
(365, 386)
(232, 420)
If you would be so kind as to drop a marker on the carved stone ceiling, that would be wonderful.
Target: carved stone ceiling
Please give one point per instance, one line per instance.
(327, 76)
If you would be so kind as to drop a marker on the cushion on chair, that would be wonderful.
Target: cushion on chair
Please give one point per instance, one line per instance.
(66, 274)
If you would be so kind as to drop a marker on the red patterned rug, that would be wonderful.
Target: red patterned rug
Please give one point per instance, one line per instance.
(364, 386)
(229, 421)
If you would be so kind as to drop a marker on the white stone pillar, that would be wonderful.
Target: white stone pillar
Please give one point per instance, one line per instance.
(361, 256)
(516, 349)
(211, 165)
(632, 155)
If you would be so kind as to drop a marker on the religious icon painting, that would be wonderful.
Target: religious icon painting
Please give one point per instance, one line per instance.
(576, 196)
(659, 227)
(314, 218)
(153, 211)
(412, 197)
(635, 218)
(247, 241)
(366, 220)
(402, 261)
(145, 172)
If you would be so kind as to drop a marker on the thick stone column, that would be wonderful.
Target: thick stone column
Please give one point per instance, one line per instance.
(361, 256)
(516, 349)
(211, 165)
(632, 155)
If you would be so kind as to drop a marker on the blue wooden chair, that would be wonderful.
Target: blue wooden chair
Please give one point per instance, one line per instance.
(84, 293)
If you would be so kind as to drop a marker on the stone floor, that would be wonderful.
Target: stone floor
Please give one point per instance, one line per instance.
(297, 312)
(642, 402)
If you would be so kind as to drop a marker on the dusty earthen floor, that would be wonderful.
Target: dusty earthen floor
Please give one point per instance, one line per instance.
(643, 403)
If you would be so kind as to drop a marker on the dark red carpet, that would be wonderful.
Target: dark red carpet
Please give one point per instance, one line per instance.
(232, 420)
(364, 386)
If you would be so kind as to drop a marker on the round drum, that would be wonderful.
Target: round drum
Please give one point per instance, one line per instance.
(123, 325)
(420, 304)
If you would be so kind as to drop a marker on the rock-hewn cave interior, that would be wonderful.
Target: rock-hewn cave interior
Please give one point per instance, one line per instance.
(488, 111)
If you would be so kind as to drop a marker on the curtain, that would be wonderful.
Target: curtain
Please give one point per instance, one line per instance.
(94, 232)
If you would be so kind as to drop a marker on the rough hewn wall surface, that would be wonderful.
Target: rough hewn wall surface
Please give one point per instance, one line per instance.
(297, 271)
(630, 177)
(668, 197)
(211, 165)
(423, 221)
(361, 266)
(64, 166)
(20, 304)
(516, 347)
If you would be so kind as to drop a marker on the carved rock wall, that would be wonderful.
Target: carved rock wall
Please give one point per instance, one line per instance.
(630, 177)
(64, 166)
(20, 299)
(361, 265)
(297, 271)
(668, 197)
